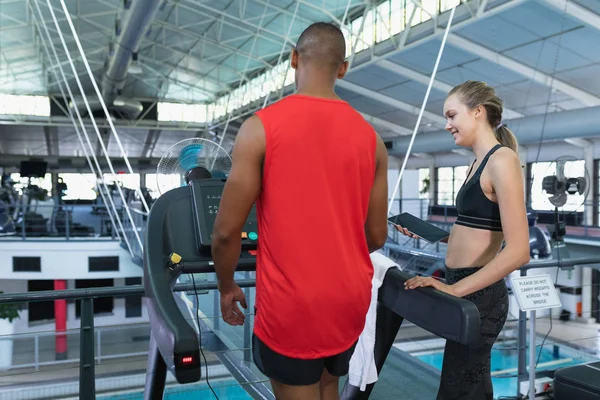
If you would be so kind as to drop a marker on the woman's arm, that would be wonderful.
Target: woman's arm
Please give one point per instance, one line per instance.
(507, 181)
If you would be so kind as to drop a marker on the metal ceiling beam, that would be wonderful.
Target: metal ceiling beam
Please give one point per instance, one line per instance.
(424, 79)
(51, 136)
(481, 8)
(522, 69)
(576, 11)
(231, 49)
(431, 117)
(398, 129)
(578, 142)
(78, 164)
(200, 83)
(321, 9)
(119, 124)
(150, 144)
(463, 17)
(237, 23)
(283, 11)
(105, 135)
(192, 57)
(578, 123)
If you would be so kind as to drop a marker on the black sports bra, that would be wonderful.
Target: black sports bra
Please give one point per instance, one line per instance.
(475, 210)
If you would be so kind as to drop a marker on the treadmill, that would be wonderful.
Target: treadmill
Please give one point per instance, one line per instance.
(178, 237)
(444, 315)
(178, 241)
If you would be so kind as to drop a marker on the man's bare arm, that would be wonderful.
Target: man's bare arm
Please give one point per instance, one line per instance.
(239, 194)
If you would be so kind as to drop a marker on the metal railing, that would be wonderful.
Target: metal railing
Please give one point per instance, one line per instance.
(58, 221)
(106, 347)
(579, 223)
(517, 318)
(90, 339)
(94, 353)
(139, 223)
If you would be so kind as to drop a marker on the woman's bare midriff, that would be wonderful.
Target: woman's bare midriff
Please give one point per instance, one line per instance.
(469, 247)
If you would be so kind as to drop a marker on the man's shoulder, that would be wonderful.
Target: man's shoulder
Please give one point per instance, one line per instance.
(283, 102)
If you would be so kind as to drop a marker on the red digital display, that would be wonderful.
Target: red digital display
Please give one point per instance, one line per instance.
(187, 360)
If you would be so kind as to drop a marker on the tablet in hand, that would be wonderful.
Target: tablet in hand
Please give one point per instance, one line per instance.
(418, 227)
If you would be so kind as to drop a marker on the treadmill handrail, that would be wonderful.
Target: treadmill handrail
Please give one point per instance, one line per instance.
(409, 304)
(204, 266)
(158, 277)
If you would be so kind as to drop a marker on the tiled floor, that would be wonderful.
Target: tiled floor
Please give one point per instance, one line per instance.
(582, 336)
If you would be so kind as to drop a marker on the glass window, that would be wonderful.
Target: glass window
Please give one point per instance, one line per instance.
(445, 186)
(79, 186)
(25, 105)
(382, 22)
(43, 183)
(129, 181)
(182, 112)
(450, 180)
(171, 181)
(424, 183)
(397, 16)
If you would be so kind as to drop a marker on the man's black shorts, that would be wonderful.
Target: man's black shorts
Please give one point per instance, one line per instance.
(294, 371)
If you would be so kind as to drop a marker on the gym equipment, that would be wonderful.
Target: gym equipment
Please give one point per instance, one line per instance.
(446, 316)
(7, 226)
(171, 249)
(178, 239)
(581, 382)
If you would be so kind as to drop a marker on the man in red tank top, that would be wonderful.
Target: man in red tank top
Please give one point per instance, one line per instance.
(317, 172)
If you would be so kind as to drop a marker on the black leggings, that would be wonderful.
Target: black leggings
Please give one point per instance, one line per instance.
(466, 370)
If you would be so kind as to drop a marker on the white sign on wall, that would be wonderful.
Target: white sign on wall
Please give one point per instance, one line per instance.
(535, 292)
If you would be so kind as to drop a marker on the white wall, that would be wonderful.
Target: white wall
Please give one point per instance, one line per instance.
(117, 318)
(392, 178)
(118, 315)
(65, 259)
(410, 194)
(408, 189)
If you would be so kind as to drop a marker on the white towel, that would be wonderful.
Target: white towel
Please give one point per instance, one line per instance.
(362, 369)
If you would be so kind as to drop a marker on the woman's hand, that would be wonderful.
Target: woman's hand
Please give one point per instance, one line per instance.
(424, 281)
(405, 232)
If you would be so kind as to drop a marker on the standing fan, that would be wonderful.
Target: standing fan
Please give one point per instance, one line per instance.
(194, 158)
(559, 186)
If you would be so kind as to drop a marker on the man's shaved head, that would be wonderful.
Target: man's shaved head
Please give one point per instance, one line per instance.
(322, 44)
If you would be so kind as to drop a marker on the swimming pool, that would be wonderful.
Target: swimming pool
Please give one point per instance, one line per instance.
(229, 390)
(505, 362)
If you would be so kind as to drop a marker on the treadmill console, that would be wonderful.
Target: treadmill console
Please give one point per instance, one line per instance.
(206, 195)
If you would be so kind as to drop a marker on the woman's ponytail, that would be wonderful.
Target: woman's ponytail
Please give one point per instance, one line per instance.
(507, 138)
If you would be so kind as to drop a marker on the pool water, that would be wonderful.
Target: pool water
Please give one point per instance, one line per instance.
(505, 362)
(229, 390)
